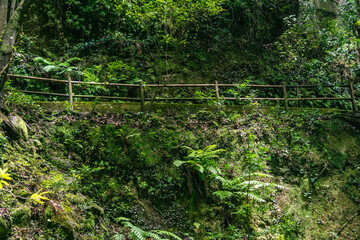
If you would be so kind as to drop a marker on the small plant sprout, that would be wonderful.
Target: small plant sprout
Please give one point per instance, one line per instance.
(37, 197)
(4, 176)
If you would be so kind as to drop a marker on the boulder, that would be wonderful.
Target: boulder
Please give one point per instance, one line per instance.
(15, 125)
(21, 216)
(61, 221)
(20, 126)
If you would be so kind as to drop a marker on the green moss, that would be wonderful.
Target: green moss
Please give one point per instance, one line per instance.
(20, 126)
(22, 192)
(61, 221)
(21, 216)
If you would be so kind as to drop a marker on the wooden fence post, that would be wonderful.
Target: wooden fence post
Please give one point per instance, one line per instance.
(297, 95)
(217, 91)
(285, 97)
(70, 92)
(142, 96)
(352, 95)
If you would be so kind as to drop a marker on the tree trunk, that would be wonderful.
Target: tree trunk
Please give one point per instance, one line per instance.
(11, 29)
(3, 15)
(13, 4)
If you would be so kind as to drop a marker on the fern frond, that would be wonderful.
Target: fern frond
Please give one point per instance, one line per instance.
(222, 180)
(262, 175)
(136, 233)
(209, 148)
(50, 68)
(162, 232)
(178, 163)
(152, 235)
(3, 182)
(223, 194)
(278, 186)
(122, 219)
(188, 148)
(42, 60)
(214, 170)
(4, 175)
(37, 197)
(119, 236)
(73, 60)
(255, 184)
(250, 195)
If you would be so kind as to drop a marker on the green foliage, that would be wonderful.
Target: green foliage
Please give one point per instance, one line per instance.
(202, 160)
(4, 176)
(57, 68)
(172, 22)
(139, 234)
(38, 197)
(245, 187)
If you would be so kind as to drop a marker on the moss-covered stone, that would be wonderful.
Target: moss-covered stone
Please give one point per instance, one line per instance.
(22, 192)
(20, 126)
(62, 221)
(21, 216)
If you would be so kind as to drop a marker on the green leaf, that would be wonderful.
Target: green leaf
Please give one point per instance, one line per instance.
(122, 219)
(162, 232)
(49, 68)
(178, 163)
(223, 194)
(37, 197)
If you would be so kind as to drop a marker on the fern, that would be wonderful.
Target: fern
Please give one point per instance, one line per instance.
(162, 232)
(139, 234)
(50, 68)
(152, 235)
(244, 189)
(42, 61)
(122, 219)
(223, 194)
(37, 197)
(202, 160)
(4, 176)
(136, 233)
(250, 196)
(56, 67)
(119, 236)
(74, 59)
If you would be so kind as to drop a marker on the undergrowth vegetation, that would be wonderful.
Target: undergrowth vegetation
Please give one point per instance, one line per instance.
(155, 176)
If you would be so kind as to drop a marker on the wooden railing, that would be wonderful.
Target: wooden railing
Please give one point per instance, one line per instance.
(215, 86)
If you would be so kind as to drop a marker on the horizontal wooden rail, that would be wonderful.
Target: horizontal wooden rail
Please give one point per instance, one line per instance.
(142, 87)
(44, 93)
(107, 97)
(36, 78)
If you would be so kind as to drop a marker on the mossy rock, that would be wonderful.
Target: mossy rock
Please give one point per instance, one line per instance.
(5, 228)
(19, 125)
(15, 125)
(21, 216)
(65, 225)
(22, 193)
